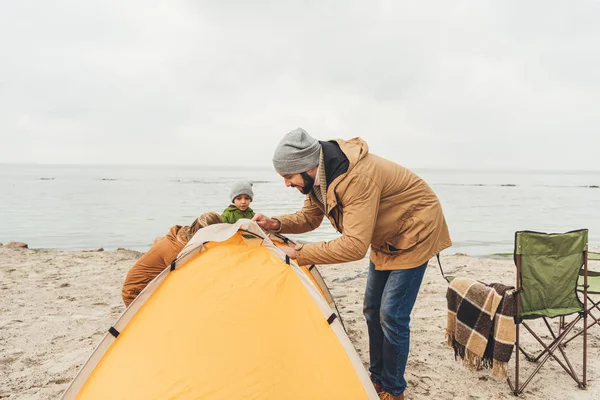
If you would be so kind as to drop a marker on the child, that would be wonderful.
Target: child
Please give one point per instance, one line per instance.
(161, 254)
(241, 196)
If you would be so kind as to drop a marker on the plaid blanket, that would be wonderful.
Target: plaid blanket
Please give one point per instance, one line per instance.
(480, 324)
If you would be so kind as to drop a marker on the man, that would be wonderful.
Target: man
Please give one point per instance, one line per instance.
(371, 202)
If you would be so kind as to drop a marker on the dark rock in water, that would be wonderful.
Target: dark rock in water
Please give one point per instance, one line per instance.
(108, 179)
(20, 245)
(594, 187)
(94, 250)
(509, 185)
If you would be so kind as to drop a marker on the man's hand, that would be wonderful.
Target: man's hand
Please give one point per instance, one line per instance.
(291, 252)
(265, 222)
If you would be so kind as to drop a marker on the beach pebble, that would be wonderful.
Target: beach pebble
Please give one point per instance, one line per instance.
(18, 244)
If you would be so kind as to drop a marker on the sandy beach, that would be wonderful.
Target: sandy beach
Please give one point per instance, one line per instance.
(55, 306)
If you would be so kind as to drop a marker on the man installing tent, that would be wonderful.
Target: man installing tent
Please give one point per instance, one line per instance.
(370, 201)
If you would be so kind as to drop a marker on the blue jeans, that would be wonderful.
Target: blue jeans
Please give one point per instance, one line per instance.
(389, 300)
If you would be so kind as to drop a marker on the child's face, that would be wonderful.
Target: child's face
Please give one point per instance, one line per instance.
(242, 202)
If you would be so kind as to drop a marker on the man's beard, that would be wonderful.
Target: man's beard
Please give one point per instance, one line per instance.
(309, 183)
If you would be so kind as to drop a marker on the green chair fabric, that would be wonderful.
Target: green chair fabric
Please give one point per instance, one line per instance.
(550, 266)
(593, 282)
(593, 276)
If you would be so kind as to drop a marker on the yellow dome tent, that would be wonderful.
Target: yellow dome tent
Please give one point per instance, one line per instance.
(232, 318)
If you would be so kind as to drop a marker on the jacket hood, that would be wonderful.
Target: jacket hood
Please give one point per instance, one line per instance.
(355, 149)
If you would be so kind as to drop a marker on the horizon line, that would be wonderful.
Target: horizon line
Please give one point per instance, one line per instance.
(423, 168)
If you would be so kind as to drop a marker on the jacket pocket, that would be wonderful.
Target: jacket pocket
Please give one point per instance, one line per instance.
(407, 236)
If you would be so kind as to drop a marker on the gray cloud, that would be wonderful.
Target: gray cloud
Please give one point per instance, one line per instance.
(428, 84)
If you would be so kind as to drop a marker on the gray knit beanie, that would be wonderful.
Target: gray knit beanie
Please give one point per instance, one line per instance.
(241, 187)
(296, 153)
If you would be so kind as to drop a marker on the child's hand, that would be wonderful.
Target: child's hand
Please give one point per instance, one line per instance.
(265, 222)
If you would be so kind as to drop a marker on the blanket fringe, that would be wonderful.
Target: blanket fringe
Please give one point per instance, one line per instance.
(470, 359)
(500, 369)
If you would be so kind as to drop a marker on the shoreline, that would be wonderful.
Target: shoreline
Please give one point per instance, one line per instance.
(493, 256)
(56, 305)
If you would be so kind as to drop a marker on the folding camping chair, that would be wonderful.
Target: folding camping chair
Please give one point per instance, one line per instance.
(548, 267)
(593, 289)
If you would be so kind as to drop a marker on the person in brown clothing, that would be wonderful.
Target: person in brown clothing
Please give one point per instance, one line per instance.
(374, 204)
(161, 254)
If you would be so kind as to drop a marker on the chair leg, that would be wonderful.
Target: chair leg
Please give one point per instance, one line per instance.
(528, 356)
(586, 297)
(562, 351)
(515, 388)
(554, 337)
(549, 350)
(550, 353)
(596, 320)
(543, 352)
(585, 328)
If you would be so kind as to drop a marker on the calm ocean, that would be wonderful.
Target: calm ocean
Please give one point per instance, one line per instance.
(85, 207)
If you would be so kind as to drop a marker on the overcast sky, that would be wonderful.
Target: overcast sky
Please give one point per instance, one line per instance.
(450, 84)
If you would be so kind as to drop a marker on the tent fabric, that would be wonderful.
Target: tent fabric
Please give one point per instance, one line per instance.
(550, 265)
(312, 272)
(231, 319)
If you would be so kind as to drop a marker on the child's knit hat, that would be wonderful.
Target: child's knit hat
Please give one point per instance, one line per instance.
(242, 187)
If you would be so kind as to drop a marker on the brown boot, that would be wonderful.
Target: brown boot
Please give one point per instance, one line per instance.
(377, 386)
(389, 396)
